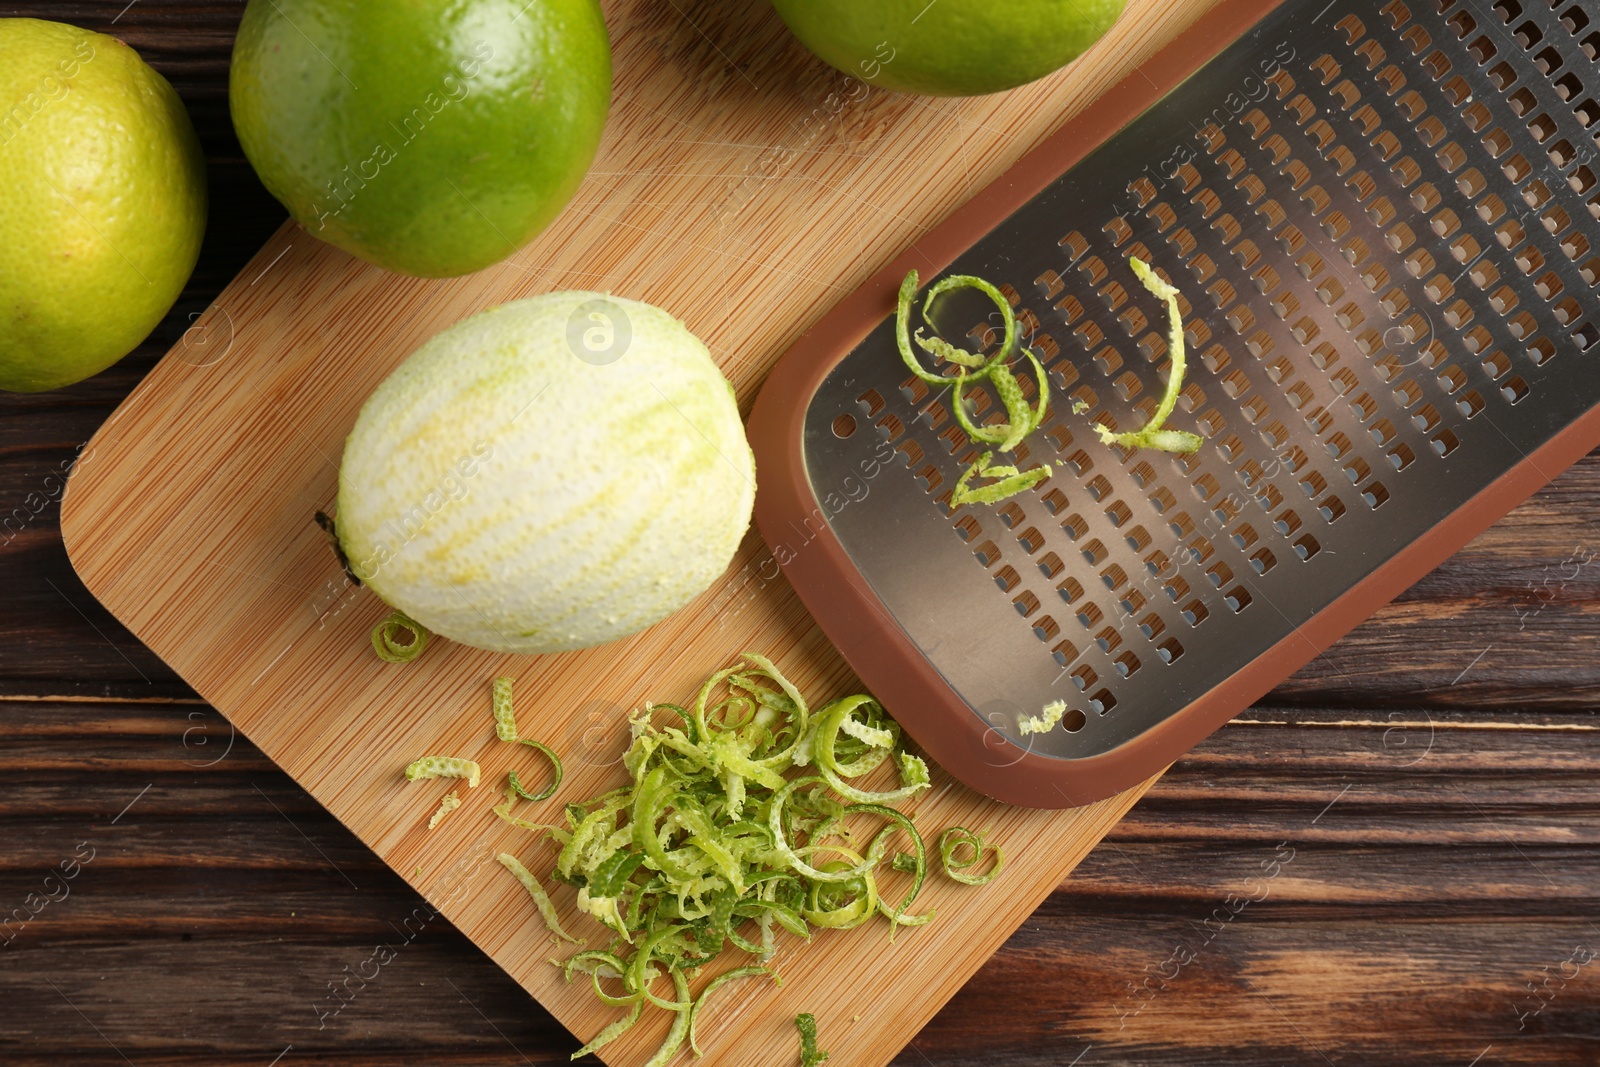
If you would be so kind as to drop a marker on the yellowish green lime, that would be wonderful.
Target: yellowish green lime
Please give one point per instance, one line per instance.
(432, 139)
(104, 202)
(949, 47)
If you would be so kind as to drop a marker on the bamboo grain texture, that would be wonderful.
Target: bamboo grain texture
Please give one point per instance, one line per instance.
(745, 206)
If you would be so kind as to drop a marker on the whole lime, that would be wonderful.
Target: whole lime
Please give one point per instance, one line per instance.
(429, 138)
(547, 475)
(949, 47)
(104, 205)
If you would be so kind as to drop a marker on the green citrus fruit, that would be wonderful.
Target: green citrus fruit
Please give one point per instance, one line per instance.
(104, 202)
(949, 47)
(431, 139)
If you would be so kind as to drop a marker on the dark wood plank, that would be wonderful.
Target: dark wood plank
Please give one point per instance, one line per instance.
(1407, 876)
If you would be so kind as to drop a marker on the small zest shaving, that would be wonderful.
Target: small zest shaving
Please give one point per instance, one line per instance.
(719, 839)
(444, 767)
(505, 720)
(1045, 721)
(1003, 482)
(450, 803)
(959, 837)
(1152, 435)
(505, 728)
(541, 899)
(386, 638)
(810, 1055)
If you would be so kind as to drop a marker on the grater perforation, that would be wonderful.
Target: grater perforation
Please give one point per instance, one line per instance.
(1384, 236)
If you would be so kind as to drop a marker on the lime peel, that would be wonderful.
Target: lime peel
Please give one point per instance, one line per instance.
(1152, 435)
(1045, 721)
(717, 983)
(505, 728)
(450, 803)
(810, 1055)
(1021, 419)
(386, 638)
(957, 867)
(1007, 482)
(541, 899)
(444, 767)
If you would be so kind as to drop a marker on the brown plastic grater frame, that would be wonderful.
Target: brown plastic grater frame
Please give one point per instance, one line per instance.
(1425, 91)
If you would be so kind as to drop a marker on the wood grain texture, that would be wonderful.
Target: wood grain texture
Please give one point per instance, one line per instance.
(207, 935)
(743, 207)
(1425, 879)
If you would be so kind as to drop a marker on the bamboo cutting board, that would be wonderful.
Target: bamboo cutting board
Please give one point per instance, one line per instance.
(743, 186)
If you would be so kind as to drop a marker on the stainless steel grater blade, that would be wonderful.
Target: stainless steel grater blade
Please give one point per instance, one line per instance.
(1384, 219)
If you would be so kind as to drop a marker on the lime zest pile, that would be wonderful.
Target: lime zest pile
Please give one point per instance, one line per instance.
(716, 842)
(1045, 721)
(450, 803)
(444, 767)
(505, 728)
(810, 1055)
(1004, 481)
(957, 867)
(1152, 435)
(386, 638)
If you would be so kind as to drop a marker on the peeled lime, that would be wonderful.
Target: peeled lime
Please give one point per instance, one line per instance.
(104, 202)
(432, 139)
(949, 47)
(548, 475)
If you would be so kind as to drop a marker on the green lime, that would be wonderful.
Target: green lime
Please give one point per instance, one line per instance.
(949, 47)
(431, 139)
(104, 204)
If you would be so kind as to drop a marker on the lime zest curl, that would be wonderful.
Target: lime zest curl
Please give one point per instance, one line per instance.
(1008, 482)
(505, 728)
(957, 867)
(979, 367)
(1152, 435)
(444, 767)
(386, 638)
(541, 899)
(810, 1055)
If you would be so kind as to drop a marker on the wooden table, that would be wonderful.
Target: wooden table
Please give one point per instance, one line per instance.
(1395, 859)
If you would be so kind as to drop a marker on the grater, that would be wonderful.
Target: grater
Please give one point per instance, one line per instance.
(1384, 220)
